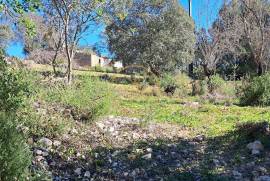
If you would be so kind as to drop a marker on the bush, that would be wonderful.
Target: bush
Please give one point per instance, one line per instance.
(152, 79)
(143, 85)
(215, 83)
(182, 82)
(88, 96)
(151, 91)
(13, 87)
(168, 83)
(199, 87)
(14, 153)
(257, 91)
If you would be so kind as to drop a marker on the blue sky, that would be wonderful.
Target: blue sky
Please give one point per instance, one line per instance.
(204, 13)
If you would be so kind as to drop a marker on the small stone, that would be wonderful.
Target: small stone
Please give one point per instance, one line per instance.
(256, 145)
(237, 175)
(262, 170)
(46, 142)
(139, 151)
(78, 155)
(100, 125)
(74, 131)
(111, 129)
(135, 136)
(65, 136)
(87, 174)
(45, 154)
(53, 164)
(199, 138)
(133, 173)
(216, 162)
(147, 156)
(125, 174)
(56, 143)
(78, 171)
(149, 150)
(115, 153)
(38, 152)
(30, 141)
(192, 143)
(39, 158)
(255, 152)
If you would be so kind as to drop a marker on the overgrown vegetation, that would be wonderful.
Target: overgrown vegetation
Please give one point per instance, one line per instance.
(256, 91)
(155, 41)
(15, 156)
(14, 153)
(87, 96)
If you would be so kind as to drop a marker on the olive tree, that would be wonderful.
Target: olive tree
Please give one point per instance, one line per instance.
(158, 35)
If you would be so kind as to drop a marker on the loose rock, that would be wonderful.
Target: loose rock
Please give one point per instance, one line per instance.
(147, 156)
(256, 147)
(87, 174)
(78, 171)
(45, 142)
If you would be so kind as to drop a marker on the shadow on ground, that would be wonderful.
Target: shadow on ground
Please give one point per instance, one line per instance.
(220, 158)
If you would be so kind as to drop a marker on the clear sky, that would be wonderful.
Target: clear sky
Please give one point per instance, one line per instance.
(204, 13)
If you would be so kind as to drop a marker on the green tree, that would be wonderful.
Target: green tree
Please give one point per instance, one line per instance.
(16, 9)
(156, 34)
(75, 18)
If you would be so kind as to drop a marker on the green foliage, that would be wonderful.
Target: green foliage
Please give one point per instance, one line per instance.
(199, 87)
(183, 84)
(87, 96)
(152, 79)
(215, 83)
(179, 83)
(162, 41)
(106, 69)
(257, 91)
(13, 87)
(168, 83)
(5, 36)
(14, 153)
(29, 25)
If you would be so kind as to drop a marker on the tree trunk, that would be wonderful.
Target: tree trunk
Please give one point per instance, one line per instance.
(69, 68)
(259, 69)
(54, 63)
(154, 71)
(69, 53)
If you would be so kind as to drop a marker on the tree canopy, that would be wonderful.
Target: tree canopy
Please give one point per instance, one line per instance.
(156, 34)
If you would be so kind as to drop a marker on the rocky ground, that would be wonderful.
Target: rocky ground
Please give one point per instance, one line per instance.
(119, 148)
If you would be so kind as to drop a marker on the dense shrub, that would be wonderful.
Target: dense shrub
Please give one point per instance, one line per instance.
(14, 153)
(88, 96)
(168, 84)
(183, 84)
(199, 87)
(121, 79)
(13, 87)
(106, 69)
(215, 83)
(151, 91)
(257, 91)
(143, 85)
(152, 79)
